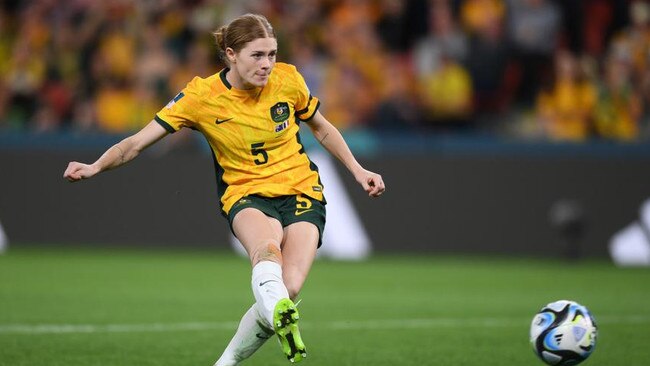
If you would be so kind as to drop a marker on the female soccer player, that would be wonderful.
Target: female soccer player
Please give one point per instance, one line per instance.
(268, 188)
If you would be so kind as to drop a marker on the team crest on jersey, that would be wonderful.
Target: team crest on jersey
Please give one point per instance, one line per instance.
(280, 112)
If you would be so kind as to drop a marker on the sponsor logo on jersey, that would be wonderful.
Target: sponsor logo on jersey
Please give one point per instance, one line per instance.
(219, 121)
(281, 126)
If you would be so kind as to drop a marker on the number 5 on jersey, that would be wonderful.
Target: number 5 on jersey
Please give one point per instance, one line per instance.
(261, 157)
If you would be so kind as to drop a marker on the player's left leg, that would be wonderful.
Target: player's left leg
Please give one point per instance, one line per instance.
(299, 246)
(250, 336)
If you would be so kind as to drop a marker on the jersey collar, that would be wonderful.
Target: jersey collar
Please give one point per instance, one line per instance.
(224, 80)
(239, 92)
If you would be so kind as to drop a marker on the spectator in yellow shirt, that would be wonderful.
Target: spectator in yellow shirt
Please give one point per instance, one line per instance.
(565, 108)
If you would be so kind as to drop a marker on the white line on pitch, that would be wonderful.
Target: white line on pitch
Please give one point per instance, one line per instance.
(377, 324)
(114, 328)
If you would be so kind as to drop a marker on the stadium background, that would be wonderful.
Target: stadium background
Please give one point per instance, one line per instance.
(508, 132)
(483, 116)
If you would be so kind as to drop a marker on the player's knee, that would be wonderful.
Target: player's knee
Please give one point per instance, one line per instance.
(269, 251)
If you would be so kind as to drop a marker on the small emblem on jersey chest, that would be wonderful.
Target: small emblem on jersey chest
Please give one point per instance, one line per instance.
(280, 112)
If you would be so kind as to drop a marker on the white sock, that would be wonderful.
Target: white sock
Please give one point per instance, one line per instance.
(268, 288)
(250, 336)
(3, 240)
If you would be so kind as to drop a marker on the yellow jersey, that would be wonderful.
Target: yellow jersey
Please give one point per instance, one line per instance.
(253, 134)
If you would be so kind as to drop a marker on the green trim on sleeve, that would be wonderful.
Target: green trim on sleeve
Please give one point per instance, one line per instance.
(306, 109)
(165, 125)
(306, 119)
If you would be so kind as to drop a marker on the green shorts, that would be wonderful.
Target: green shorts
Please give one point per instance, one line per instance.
(286, 209)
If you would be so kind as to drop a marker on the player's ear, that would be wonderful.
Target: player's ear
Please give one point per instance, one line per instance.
(231, 55)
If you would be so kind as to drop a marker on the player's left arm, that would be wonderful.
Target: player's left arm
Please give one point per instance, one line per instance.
(332, 140)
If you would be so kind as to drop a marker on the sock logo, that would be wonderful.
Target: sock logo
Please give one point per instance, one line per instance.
(262, 335)
(267, 281)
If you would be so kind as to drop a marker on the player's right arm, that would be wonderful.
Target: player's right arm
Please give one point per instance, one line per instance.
(118, 154)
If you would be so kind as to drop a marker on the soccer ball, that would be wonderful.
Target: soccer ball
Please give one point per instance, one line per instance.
(563, 333)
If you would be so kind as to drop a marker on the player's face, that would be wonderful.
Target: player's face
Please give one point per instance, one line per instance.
(253, 64)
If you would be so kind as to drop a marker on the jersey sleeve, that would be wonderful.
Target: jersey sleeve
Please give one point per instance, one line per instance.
(306, 104)
(179, 112)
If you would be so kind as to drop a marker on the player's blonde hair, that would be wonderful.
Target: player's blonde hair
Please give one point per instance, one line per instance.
(240, 31)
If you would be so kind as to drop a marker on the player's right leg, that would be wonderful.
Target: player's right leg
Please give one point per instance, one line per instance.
(261, 237)
(285, 324)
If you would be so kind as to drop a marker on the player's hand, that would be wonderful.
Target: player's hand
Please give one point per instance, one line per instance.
(78, 171)
(371, 183)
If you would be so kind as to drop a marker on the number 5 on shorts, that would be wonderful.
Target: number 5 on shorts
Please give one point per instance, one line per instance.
(303, 205)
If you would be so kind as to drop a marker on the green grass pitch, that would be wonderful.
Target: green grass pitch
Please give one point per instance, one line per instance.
(127, 307)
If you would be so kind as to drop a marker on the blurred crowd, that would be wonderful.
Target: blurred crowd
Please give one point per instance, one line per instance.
(550, 69)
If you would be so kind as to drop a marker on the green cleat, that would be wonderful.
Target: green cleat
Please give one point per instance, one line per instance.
(285, 323)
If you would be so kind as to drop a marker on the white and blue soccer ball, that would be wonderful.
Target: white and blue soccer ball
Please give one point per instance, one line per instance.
(563, 333)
